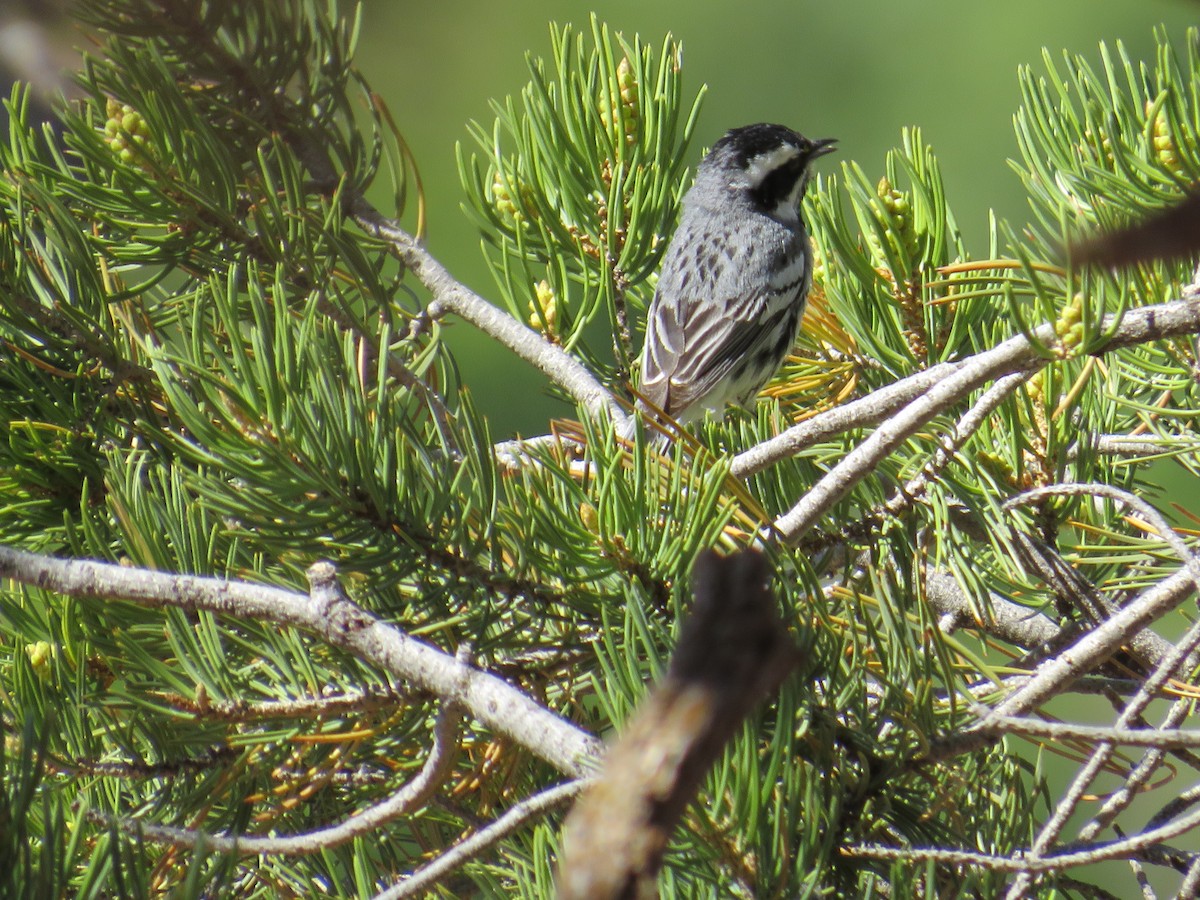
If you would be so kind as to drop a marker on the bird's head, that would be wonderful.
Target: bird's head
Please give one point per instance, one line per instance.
(769, 165)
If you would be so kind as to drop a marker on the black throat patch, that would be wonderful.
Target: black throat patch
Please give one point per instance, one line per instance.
(777, 186)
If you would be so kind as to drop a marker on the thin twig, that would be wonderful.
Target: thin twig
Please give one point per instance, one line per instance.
(951, 443)
(1100, 758)
(1190, 797)
(1095, 646)
(448, 861)
(1145, 768)
(410, 797)
(1135, 447)
(1071, 587)
(514, 455)
(1190, 886)
(1164, 738)
(1118, 495)
(1122, 848)
(299, 708)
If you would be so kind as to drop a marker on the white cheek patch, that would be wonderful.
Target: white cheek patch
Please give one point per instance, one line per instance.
(765, 163)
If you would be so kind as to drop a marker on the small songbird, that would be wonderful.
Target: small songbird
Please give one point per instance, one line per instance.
(735, 275)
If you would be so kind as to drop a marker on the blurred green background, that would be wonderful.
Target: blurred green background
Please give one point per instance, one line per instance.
(858, 71)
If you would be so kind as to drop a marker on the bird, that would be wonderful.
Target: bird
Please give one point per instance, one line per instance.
(735, 276)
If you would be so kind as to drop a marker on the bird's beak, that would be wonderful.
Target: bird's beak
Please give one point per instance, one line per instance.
(823, 146)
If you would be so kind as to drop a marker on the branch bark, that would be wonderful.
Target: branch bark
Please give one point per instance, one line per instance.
(332, 617)
(1019, 354)
(733, 651)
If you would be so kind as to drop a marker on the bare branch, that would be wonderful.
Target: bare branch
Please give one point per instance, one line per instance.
(1123, 848)
(562, 368)
(869, 410)
(1137, 447)
(1190, 886)
(450, 295)
(1060, 672)
(1187, 798)
(1164, 738)
(1011, 622)
(1132, 714)
(329, 615)
(514, 455)
(1166, 669)
(1137, 779)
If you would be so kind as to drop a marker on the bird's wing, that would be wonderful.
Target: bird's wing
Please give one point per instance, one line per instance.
(715, 304)
(692, 343)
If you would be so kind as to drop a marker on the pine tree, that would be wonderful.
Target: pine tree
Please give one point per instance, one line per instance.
(331, 625)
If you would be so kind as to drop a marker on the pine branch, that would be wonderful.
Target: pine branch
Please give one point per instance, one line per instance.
(412, 796)
(450, 295)
(329, 615)
(429, 876)
(1017, 355)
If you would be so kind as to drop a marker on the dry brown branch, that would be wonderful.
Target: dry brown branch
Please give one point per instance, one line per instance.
(734, 650)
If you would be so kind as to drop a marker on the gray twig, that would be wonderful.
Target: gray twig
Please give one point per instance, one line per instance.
(420, 881)
(1166, 669)
(411, 796)
(450, 295)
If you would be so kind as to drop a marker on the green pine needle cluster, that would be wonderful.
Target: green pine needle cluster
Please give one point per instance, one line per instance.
(576, 183)
(205, 367)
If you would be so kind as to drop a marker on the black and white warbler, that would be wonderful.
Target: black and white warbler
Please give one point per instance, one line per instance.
(734, 277)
